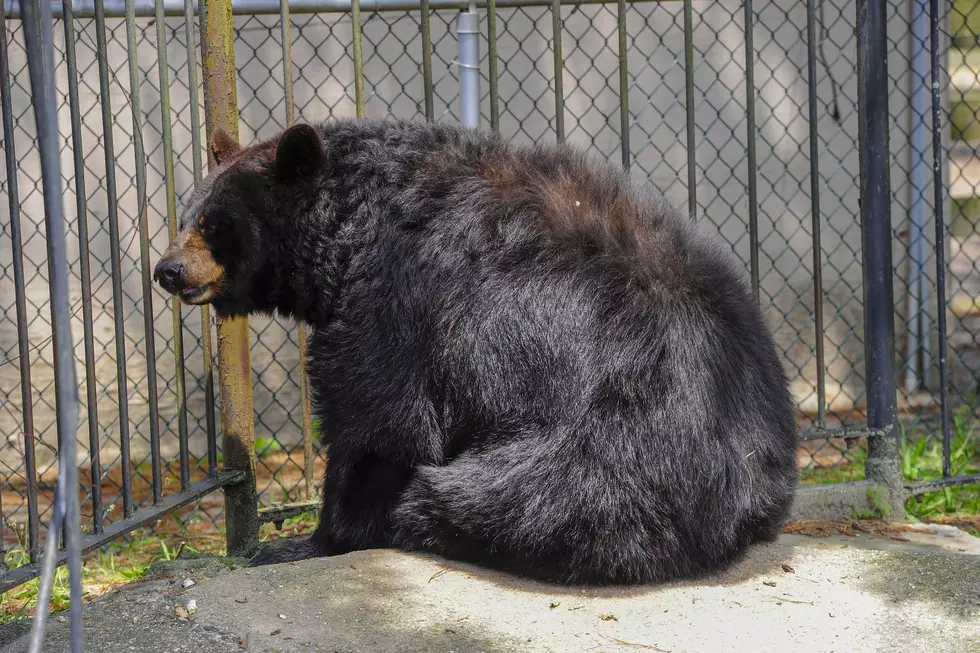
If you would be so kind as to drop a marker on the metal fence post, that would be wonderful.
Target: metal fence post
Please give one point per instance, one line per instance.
(39, 46)
(468, 29)
(234, 363)
(883, 465)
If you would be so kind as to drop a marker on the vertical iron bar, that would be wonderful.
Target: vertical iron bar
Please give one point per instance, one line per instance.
(492, 62)
(115, 259)
(40, 61)
(355, 19)
(750, 144)
(84, 269)
(195, 107)
(171, 192)
(815, 217)
(938, 199)
(556, 28)
(234, 365)
(624, 87)
(20, 299)
(195, 118)
(916, 338)
(285, 26)
(427, 89)
(692, 176)
(144, 234)
(468, 61)
(883, 464)
(301, 334)
(48, 565)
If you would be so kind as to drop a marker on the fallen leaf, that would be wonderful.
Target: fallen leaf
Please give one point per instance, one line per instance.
(553, 605)
(242, 601)
(779, 599)
(635, 645)
(608, 617)
(790, 570)
(437, 574)
(275, 632)
(769, 583)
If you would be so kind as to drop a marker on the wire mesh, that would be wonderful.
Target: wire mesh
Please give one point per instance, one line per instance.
(323, 75)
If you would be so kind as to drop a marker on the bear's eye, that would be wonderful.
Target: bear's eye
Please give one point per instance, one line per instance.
(207, 227)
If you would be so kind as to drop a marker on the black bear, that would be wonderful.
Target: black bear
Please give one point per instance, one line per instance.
(520, 358)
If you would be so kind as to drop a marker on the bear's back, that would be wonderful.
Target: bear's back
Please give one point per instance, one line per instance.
(475, 191)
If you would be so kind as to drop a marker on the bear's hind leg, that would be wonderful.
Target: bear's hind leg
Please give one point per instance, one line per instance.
(539, 517)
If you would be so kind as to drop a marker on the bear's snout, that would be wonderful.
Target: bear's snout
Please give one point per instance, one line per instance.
(170, 275)
(188, 270)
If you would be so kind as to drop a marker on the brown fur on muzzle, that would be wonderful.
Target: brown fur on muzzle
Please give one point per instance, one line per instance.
(202, 275)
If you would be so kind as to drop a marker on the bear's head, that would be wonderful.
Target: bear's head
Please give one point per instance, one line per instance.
(224, 252)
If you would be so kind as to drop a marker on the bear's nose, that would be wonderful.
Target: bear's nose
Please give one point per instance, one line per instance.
(170, 275)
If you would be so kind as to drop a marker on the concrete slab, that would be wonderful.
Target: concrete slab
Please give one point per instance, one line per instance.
(836, 593)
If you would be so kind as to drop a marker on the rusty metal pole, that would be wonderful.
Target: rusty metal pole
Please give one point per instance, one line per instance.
(234, 365)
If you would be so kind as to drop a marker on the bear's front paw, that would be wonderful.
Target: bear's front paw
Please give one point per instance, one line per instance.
(286, 550)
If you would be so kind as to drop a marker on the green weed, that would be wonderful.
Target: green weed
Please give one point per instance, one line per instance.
(267, 445)
(922, 459)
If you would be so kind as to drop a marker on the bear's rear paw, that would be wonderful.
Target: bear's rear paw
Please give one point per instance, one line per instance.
(286, 550)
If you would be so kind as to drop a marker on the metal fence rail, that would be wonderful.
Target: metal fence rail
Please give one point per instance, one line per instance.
(733, 109)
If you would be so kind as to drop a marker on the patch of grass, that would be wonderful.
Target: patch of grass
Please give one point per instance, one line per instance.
(923, 459)
(117, 563)
(265, 446)
(301, 524)
(851, 470)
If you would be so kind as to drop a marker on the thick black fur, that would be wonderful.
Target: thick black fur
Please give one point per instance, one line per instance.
(519, 358)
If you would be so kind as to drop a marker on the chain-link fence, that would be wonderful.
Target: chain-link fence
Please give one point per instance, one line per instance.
(323, 87)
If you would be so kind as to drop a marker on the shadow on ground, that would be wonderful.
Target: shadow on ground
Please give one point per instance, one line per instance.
(799, 594)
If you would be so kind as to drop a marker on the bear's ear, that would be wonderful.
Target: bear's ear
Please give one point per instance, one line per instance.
(224, 146)
(299, 152)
